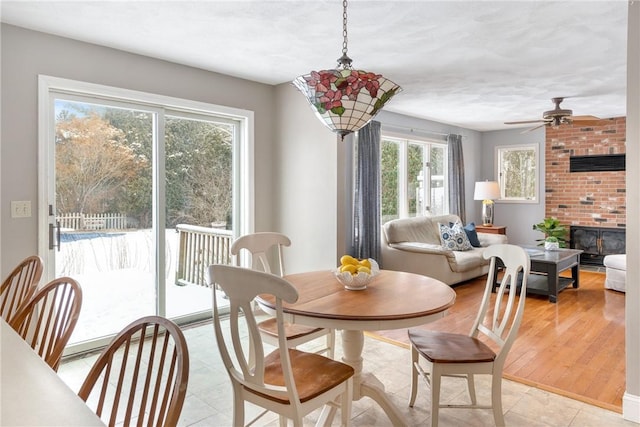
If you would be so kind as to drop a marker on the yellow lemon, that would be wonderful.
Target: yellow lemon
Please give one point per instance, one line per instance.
(365, 263)
(348, 259)
(350, 268)
(363, 269)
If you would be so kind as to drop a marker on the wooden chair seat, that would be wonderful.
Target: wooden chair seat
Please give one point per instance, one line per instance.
(292, 332)
(312, 373)
(444, 347)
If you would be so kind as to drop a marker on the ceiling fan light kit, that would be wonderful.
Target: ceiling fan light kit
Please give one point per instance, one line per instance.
(558, 116)
(344, 99)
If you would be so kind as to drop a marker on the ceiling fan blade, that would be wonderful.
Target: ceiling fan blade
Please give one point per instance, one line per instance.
(525, 121)
(533, 128)
(585, 118)
(587, 123)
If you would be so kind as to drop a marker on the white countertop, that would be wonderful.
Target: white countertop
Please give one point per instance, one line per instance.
(31, 393)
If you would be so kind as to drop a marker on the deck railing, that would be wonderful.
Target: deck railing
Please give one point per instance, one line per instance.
(200, 247)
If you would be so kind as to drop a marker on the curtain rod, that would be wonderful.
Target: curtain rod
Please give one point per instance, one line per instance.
(414, 129)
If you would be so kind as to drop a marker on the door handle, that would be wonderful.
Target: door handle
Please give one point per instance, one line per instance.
(54, 243)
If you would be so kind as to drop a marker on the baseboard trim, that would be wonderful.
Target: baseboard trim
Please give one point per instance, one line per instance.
(631, 407)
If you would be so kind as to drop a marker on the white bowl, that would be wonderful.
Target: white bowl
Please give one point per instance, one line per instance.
(357, 282)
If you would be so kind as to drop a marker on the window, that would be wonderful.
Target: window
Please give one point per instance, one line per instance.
(413, 181)
(518, 173)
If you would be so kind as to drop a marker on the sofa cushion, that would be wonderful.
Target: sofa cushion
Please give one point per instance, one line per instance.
(467, 260)
(417, 229)
(454, 238)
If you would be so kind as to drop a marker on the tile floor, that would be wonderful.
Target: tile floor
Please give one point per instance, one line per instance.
(209, 403)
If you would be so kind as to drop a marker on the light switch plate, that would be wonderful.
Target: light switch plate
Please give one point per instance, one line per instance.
(21, 209)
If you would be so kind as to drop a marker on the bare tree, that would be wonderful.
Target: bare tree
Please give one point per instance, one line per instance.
(93, 162)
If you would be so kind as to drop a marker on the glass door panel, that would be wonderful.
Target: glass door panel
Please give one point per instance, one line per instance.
(390, 182)
(415, 178)
(103, 208)
(199, 201)
(439, 203)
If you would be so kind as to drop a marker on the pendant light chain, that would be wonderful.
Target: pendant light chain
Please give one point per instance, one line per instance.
(344, 27)
(344, 61)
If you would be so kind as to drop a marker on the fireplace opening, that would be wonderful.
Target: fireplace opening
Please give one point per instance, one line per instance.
(597, 242)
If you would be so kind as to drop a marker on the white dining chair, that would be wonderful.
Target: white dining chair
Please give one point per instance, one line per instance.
(259, 246)
(287, 381)
(459, 355)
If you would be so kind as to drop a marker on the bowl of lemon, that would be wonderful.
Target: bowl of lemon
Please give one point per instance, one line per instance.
(355, 274)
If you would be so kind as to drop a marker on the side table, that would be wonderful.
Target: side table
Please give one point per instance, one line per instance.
(494, 229)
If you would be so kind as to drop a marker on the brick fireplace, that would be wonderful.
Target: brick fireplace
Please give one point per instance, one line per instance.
(592, 196)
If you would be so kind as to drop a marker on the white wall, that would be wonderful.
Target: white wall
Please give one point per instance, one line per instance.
(517, 217)
(26, 54)
(631, 399)
(305, 183)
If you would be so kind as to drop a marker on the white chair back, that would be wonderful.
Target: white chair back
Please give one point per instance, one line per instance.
(504, 321)
(242, 286)
(259, 244)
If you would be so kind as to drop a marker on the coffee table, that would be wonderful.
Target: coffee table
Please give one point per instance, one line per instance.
(546, 267)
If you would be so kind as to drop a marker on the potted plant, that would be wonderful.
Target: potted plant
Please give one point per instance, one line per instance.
(551, 243)
(554, 233)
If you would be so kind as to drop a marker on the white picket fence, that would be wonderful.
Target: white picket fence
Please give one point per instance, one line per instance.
(80, 221)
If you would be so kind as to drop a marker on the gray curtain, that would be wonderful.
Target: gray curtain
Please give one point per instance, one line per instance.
(366, 201)
(456, 176)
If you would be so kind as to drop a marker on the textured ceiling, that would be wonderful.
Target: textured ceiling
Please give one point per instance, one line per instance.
(473, 64)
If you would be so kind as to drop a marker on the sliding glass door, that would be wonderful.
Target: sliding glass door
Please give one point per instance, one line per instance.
(141, 198)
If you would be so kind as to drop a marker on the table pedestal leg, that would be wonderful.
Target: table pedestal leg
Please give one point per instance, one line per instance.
(363, 384)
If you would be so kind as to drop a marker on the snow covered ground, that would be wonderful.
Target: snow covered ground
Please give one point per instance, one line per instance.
(115, 271)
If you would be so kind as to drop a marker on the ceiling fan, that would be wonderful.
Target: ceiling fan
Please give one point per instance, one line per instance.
(557, 117)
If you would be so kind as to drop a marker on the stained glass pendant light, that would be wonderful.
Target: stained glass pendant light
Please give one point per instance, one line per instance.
(345, 99)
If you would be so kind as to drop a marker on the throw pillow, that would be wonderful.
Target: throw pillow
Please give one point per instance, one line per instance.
(472, 234)
(454, 238)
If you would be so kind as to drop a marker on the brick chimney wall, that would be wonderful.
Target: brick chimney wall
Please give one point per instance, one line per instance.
(585, 198)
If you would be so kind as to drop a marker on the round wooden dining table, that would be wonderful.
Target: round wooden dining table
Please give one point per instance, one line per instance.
(392, 300)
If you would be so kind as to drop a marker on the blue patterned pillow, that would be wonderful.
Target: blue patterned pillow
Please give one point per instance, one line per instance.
(472, 234)
(454, 238)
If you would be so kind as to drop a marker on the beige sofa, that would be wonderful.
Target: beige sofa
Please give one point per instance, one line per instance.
(413, 245)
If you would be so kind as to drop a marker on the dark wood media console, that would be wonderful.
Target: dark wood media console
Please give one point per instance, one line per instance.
(597, 242)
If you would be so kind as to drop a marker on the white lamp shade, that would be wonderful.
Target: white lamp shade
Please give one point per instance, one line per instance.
(486, 190)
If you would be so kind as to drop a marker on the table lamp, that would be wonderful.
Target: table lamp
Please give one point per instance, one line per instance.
(487, 191)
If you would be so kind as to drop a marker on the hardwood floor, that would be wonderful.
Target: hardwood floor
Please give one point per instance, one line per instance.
(575, 347)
